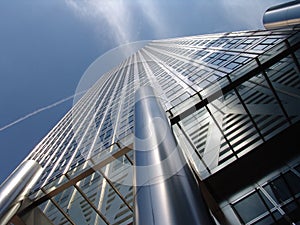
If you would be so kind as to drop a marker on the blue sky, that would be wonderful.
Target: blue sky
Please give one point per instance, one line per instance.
(47, 45)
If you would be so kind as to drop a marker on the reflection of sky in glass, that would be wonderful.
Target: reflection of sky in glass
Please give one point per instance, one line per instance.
(104, 63)
(47, 45)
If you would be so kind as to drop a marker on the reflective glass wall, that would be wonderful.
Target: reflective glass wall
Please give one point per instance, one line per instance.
(226, 95)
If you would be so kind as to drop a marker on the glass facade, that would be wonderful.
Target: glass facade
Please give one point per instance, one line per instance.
(226, 95)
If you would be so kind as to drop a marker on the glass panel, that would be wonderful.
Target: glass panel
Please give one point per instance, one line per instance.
(297, 168)
(252, 202)
(297, 54)
(78, 209)
(292, 210)
(56, 183)
(105, 199)
(272, 52)
(205, 136)
(100, 157)
(56, 217)
(214, 88)
(294, 39)
(280, 218)
(293, 181)
(263, 106)
(266, 200)
(78, 170)
(185, 105)
(266, 221)
(120, 174)
(196, 126)
(235, 124)
(285, 78)
(190, 152)
(252, 64)
(278, 190)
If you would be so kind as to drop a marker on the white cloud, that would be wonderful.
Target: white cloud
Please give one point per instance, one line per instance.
(112, 14)
(155, 17)
(120, 17)
(122, 20)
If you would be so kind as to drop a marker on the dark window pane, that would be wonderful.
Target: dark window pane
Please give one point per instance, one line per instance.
(266, 200)
(280, 219)
(265, 221)
(297, 168)
(250, 207)
(232, 65)
(293, 211)
(293, 181)
(278, 190)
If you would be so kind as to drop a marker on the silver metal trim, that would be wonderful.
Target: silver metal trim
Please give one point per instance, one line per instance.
(10, 214)
(166, 191)
(283, 15)
(17, 185)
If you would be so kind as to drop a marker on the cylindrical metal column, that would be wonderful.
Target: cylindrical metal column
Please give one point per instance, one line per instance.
(283, 15)
(17, 185)
(166, 191)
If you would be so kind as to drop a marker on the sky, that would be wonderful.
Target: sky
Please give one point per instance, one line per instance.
(46, 46)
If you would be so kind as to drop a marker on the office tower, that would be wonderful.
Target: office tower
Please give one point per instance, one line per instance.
(232, 101)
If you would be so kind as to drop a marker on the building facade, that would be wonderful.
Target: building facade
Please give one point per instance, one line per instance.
(233, 102)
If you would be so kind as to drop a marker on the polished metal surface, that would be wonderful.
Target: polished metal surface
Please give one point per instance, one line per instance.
(283, 15)
(9, 214)
(17, 185)
(166, 191)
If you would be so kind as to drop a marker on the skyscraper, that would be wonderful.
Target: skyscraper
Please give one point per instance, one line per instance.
(232, 101)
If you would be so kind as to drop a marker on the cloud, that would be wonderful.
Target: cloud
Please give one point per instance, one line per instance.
(125, 19)
(154, 16)
(121, 17)
(112, 14)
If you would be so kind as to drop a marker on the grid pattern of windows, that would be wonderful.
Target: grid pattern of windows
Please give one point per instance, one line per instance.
(276, 201)
(226, 93)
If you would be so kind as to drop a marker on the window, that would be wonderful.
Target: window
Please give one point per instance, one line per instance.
(246, 43)
(284, 187)
(231, 43)
(180, 99)
(253, 202)
(266, 43)
(221, 58)
(276, 202)
(200, 54)
(211, 56)
(237, 62)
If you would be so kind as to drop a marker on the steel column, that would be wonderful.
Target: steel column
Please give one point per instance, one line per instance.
(16, 186)
(166, 191)
(283, 15)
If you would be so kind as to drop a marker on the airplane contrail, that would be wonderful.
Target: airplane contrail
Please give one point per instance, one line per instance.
(39, 110)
